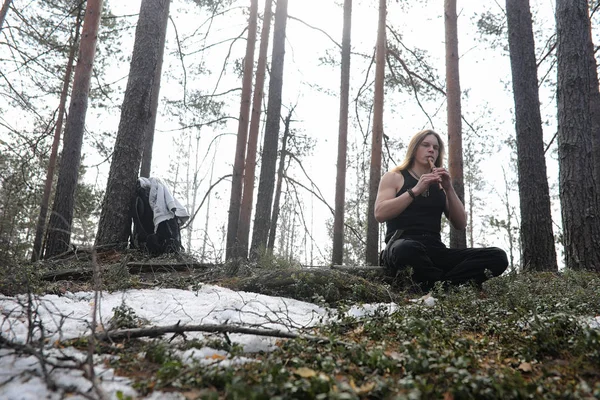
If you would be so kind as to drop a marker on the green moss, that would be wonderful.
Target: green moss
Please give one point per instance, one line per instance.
(331, 286)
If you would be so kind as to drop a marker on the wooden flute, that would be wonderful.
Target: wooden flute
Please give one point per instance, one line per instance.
(432, 165)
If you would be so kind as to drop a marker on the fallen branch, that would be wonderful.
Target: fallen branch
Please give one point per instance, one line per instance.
(154, 331)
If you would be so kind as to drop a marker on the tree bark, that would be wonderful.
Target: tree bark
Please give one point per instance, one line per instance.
(372, 249)
(280, 172)
(242, 136)
(578, 135)
(59, 226)
(149, 135)
(337, 257)
(41, 223)
(458, 238)
(250, 169)
(264, 201)
(115, 218)
(537, 238)
(4, 11)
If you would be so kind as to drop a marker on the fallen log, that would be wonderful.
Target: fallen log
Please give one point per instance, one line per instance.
(366, 268)
(133, 267)
(136, 267)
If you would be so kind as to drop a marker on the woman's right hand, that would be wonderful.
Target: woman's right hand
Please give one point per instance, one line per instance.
(424, 182)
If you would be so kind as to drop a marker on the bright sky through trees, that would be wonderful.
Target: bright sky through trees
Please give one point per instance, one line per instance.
(313, 87)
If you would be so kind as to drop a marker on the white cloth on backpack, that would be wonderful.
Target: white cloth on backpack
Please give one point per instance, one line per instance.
(163, 204)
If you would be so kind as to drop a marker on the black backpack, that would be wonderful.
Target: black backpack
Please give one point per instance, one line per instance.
(167, 238)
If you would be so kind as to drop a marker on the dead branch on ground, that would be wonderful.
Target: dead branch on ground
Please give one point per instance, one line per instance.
(178, 329)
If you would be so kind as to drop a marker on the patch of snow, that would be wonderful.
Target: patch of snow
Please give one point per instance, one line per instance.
(593, 322)
(69, 317)
(427, 300)
(365, 310)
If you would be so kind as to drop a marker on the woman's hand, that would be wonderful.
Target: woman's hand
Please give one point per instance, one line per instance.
(425, 181)
(444, 178)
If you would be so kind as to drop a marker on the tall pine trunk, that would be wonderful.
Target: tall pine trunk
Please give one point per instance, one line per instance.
(59, 226)
(4, 11)
(537, 239)
(578, 135)
(115, 218)
(280, 172)
(149, 135)
(250, 168)
(262, 219)
(372, 250)
(41, 222)
(337, 257)
(231, 249)
(458, 238)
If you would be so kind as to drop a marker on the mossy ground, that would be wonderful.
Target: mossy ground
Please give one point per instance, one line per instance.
(520, 336)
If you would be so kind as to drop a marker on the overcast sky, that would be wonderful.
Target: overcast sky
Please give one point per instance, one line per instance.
(485, 82)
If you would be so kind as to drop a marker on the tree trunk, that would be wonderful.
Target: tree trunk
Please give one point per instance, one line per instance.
(458, 238)
(269, 154)
(235, 200)
(280, 172)
(337, 257)
(4, 11)
(537, 239)
(206, 220)
(59, 226)
(372, 249)
(249, 171)
(41, 223)
(578, 132)
(149, 135)
(115, 219)
(471, 206)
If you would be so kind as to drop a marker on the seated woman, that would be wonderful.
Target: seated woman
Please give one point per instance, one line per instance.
(410, 200)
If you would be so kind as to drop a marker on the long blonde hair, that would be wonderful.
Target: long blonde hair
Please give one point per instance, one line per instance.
(414, 144)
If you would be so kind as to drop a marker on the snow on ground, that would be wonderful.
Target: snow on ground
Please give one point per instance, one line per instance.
(69, 316)
(594, 322)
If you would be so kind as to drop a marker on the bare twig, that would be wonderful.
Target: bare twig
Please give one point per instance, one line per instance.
(204, 198)
(317, 29)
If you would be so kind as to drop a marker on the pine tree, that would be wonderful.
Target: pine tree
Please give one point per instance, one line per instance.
(537, 239)
(337, 257)
(115, 219)
(372, 250)
(149, 135)
(41, 224)
(59, 227)
(458, 238)
(578, 135)
(250, 168)
(262, 219)
(235, 200)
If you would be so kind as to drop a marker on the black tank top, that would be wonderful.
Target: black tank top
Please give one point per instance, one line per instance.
(423, 215)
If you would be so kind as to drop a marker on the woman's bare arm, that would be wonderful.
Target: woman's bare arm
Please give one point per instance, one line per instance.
(387, 205)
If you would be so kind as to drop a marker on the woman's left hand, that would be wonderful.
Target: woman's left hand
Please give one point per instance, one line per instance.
(446, 180)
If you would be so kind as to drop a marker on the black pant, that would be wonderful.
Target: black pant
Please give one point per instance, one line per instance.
(432, 261)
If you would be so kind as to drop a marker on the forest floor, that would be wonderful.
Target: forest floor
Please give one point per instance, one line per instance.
(534, 335)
